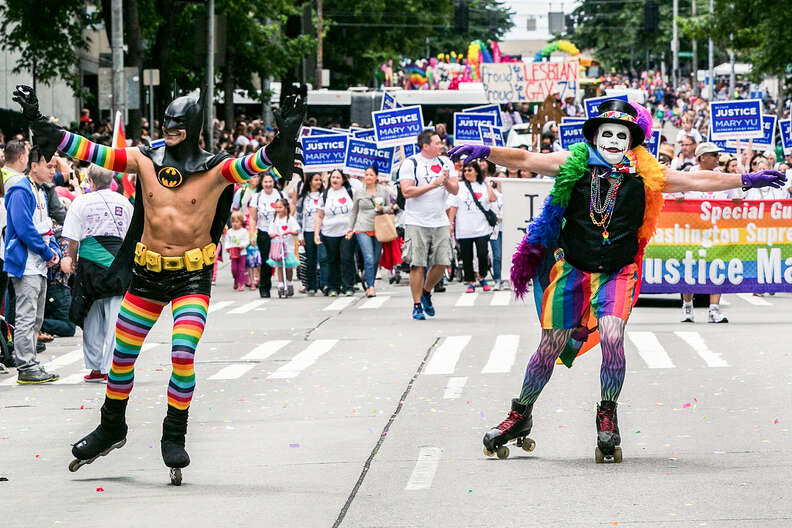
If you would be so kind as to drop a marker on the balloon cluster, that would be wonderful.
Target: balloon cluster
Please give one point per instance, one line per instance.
(445, 71)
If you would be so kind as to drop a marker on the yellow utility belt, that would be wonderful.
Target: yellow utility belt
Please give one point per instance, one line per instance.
(193, 259)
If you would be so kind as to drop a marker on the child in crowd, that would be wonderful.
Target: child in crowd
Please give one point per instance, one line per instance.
(282, 231)
(237, 240)
(253, 263)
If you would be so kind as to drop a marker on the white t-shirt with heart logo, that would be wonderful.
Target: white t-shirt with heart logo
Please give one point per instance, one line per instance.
(309, 206)
(265, 208)
(336, 207)
(470, 221)
(429, 209)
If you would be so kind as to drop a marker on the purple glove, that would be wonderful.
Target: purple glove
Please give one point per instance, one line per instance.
(765, 178)
(473, 152)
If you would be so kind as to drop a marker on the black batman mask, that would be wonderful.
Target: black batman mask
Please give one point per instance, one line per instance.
(172, 165)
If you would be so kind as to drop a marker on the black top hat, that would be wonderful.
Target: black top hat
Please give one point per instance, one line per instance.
(618, 112)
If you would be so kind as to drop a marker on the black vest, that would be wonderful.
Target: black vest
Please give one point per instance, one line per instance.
(581, 240)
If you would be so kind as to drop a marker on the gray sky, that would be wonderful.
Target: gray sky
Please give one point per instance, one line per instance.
(538, 9)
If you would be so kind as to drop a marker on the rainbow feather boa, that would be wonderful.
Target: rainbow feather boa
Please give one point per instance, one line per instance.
(545, 229)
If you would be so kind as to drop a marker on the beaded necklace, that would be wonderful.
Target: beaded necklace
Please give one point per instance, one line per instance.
(603, 209)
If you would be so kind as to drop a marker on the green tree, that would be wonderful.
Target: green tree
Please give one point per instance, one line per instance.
(361, 36)
(48, 35)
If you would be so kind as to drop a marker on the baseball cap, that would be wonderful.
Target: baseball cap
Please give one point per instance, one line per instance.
(706, 148)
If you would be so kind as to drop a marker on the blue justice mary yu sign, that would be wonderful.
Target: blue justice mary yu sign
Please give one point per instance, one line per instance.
(571, 133)
(466, 127)
(736, 119)
(398, 126)
(324, 152)
(592, 103)
(361, 155)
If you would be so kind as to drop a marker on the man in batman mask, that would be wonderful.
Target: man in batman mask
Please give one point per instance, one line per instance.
(183, 201)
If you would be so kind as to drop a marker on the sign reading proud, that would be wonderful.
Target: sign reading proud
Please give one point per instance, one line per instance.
(361, 155)
(570, 133)
(398, 126)
(736, 119)
(466, 127)
(324, 152)
(592, 104)
(532, 82)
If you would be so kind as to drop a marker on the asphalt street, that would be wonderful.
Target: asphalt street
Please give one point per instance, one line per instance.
(321, 412)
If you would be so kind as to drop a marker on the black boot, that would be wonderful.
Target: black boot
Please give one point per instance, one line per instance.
(111, 434)
(174, 427)
(608, 437)
(516, 425)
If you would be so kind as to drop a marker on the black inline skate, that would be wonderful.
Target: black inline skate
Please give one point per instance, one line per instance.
(111, 434)
(517, 425)
(174, 427)
(608, 438)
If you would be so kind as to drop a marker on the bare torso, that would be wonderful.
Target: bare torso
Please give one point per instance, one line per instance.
(179, 219)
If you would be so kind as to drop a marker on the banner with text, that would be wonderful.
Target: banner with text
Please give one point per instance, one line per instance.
(361, 155)
(592, 103)
(652, 143)
(528, 82)
(719, 246)
(398, 126)
(466, 127)
(571, 133)
(767, 141)
(389, 102)
(491, 135)
(324, 152)
(785, 129)
(488, 109)
(736, 119)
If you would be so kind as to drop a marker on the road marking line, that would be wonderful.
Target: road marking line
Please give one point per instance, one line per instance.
(304, 359)
(374, 302)
(248, 307)
(503, 354)
(234, 371)
(445, 357)
(265, 350)
(425, 468)
(696, 342)
(73, 379)
(501, 298)
(454, 388)
(756, 301)
(650, 349)
(466, 300)
(219, 305)
(339, 304)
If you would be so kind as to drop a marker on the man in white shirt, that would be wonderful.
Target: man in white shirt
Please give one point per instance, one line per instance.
(426, 180)
(687, 144)
(95, 226)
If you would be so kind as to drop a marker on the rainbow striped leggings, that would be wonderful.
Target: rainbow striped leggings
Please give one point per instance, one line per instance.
(135, 319)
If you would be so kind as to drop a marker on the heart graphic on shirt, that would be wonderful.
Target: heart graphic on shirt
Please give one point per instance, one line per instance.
(342, 200)
(316, 202)
(284, 227)
(477, 195)
(272, 205)
(436, 168)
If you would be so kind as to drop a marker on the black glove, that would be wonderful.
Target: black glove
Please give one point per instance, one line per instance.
(289, 120)
(26, 97)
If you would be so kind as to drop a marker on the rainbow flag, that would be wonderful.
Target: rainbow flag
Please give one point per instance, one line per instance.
(119, 141)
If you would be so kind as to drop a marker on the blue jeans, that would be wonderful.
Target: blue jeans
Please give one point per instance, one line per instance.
(372, 250)
(497, 256)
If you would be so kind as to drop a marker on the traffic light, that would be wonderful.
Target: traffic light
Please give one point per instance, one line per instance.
(651, 16)
(461, 12)
(570, 24)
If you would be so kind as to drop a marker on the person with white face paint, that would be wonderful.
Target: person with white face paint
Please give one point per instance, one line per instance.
(584, 254)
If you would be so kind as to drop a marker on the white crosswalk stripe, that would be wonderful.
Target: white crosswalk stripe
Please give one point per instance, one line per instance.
(751, 299)
(503, 354)
(245, 308)
(453, 389)
(304, 359)
(214, 307)
(375, 302)
(696, 342)
(73, 379)
(445, 357)
(260, 353)
(650, 350)
(501, 298)
(425, 468)
(339, 304)
(466, 300)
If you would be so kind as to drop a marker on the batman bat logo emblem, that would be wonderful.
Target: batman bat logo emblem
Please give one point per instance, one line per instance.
(170, 177)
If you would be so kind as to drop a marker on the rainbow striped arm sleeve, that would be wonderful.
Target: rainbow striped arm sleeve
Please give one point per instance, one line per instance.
(238, 170)
(114, 159)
